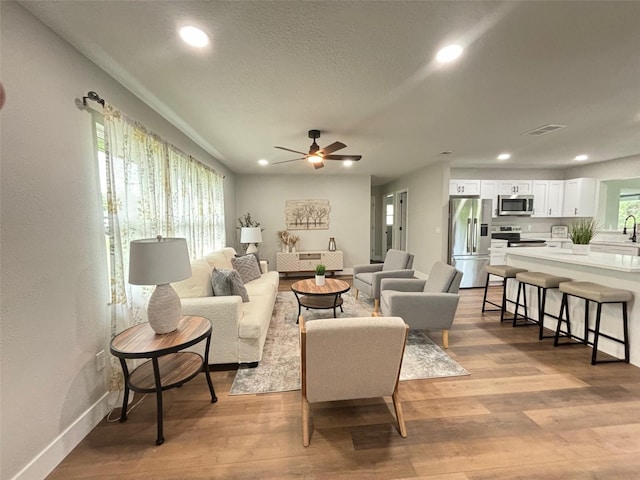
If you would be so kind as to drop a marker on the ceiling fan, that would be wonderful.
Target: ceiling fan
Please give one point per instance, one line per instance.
(317, 155)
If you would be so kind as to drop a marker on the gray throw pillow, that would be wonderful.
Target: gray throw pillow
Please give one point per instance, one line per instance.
(220, 282)
(237, 287)
(228, 282)
(247, 266)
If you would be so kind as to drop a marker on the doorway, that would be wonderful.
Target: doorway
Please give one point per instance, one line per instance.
(395, 221)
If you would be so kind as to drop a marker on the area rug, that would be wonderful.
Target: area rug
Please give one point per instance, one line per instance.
(279, 369)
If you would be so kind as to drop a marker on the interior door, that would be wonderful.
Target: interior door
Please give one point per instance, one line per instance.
(372, 229)
(389, 220)
(401, 220)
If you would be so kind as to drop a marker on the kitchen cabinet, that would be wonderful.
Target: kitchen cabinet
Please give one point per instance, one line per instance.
(579, 197)
(497, 256)
(464, 187)
(514, 187)
(548, 198)
(489, 190)
(559, 243)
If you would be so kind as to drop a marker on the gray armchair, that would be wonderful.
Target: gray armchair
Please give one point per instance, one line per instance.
(367, 278)
(424, 304)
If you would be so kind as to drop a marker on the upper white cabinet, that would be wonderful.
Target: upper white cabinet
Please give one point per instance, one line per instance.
(579, 197)
(464, 187)
(489, 189)
(548, 198)
(514, 187)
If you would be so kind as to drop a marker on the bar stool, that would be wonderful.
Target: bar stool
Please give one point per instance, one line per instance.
(600, 294)
(506, 272)
(543, 282)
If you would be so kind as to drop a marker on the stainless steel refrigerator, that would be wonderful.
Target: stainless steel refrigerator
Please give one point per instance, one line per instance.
(470, 238)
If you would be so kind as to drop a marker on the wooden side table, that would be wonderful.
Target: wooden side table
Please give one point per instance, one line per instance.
(168, 366)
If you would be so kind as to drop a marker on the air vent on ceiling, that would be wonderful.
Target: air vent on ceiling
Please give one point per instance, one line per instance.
(446, 152)
(543, 130)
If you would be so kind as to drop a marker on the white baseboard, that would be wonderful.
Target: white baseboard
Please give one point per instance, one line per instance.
(49, 458)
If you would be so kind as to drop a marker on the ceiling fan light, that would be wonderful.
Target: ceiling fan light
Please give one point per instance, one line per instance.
(314, 159)
(347, 163)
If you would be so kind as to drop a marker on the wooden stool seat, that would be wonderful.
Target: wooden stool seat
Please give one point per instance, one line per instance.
(600, 294)
(542, 281)
(506, 272)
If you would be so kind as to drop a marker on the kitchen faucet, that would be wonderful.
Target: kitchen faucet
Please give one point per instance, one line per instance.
(633, 237)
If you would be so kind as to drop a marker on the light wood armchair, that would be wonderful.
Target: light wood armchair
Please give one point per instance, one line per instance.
(351, 358)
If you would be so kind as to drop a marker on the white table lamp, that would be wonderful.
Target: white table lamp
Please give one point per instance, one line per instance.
(251, 235)
(160, 261)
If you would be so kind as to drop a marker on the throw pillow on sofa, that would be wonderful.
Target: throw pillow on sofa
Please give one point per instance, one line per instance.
(228, 282)
(218, 260)
(198, 285)
(247, 266)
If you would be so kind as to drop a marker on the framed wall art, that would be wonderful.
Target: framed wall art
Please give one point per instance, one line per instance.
(307, 214)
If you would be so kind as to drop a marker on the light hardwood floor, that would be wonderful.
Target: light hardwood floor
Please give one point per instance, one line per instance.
(527, 411)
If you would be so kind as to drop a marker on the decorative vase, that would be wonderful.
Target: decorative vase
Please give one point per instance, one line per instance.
(580, 249)
(293, 249)
(319, 280)
(332, 244)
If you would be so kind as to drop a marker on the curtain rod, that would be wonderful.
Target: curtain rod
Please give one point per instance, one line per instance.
(94, 97)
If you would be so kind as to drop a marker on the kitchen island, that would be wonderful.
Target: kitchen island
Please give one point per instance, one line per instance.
(612, 270)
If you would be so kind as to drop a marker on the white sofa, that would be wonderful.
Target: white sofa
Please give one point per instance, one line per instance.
(239, 329)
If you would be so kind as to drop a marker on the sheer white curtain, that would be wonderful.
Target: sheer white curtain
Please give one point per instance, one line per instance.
(196, 207)
(151, 188)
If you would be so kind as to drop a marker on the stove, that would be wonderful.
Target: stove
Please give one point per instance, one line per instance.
(512, 235)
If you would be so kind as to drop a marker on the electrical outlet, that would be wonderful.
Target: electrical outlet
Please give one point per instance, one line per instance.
(100, 360)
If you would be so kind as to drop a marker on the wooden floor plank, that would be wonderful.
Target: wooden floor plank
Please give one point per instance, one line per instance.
(526, 411)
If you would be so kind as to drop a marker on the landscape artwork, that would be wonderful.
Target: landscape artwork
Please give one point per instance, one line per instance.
(307, 214)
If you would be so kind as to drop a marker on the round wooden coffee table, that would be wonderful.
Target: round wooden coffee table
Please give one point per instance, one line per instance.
(329, 295)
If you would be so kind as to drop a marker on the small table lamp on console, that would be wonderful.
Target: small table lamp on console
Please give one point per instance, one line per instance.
(160, 261)
(251, 235)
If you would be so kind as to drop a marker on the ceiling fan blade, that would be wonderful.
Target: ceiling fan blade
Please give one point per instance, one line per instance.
(318, 165)
(289, 150)
(335, 146)
(287, 161)
(353, 158)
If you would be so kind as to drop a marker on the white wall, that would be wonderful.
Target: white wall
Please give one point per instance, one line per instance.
(54, 282)
(264, 196)
(427, 209)
(619, 168)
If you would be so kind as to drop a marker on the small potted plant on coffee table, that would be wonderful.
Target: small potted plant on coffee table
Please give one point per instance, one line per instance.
(581, 233)
(320, 271)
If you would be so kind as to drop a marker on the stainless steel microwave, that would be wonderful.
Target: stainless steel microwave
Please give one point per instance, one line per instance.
(515, 205)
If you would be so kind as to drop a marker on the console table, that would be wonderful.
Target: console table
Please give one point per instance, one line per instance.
(168, 366)
(306, 261)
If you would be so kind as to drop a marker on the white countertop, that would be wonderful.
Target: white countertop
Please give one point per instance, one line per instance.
(607, 261)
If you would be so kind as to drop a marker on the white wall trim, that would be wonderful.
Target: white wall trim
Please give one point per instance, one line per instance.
(49, 458)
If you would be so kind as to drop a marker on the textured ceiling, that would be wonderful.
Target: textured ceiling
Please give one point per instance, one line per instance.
(363, 73)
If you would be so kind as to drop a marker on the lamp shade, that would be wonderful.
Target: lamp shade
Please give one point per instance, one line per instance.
(156, 261)
(250, 235)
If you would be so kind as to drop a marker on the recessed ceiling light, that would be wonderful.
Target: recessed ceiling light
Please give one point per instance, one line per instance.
(347, 163)
(581, 158)
(194, 36)
(504, 156)
(263, 162)
(449, 53)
